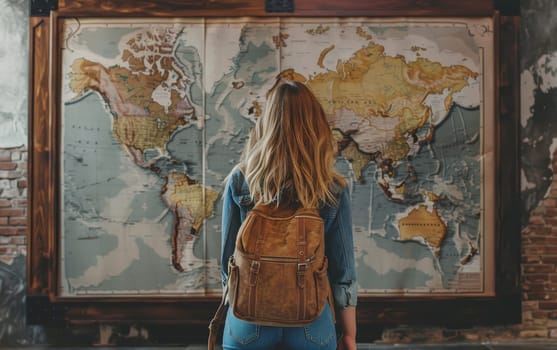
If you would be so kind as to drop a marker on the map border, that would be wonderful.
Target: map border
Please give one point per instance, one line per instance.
(486, 128)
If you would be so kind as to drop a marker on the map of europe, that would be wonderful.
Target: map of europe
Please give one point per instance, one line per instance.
(155, 113)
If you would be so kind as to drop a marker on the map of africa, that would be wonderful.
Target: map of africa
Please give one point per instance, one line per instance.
(155, 113)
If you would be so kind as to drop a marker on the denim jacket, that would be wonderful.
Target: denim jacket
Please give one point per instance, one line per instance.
(339, 246)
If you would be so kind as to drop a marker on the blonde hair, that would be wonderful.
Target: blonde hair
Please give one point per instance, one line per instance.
(291, 151)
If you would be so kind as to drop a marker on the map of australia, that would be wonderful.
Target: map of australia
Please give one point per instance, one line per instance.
(155, 115)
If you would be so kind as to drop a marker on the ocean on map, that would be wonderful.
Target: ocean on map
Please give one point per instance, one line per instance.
(374, 215)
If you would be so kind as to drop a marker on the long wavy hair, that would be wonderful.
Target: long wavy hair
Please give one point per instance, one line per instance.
(291, 152)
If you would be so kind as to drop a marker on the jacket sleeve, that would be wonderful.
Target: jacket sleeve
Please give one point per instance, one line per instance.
(339, 247)
(230, 225)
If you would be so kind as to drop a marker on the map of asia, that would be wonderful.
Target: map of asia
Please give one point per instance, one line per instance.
(155, 113)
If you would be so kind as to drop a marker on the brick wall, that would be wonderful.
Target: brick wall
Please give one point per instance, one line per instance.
(13, 203)
(539, 266)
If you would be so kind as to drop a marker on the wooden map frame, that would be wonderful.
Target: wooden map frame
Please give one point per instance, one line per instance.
(44, 305)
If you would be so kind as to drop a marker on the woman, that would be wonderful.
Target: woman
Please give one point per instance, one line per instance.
(289, 158)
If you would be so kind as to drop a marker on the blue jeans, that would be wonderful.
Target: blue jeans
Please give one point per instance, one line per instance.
(320, 334)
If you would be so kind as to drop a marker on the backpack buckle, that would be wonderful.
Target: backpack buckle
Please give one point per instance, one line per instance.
(253, 271)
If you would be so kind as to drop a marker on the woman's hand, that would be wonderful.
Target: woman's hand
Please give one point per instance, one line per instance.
(347, 343)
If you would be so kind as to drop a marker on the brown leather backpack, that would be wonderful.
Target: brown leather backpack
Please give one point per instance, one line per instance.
(277, 275)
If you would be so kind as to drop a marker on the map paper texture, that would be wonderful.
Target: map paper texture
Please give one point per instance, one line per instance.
(155, 113)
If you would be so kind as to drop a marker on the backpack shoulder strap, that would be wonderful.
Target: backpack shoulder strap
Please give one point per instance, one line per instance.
(218, 320)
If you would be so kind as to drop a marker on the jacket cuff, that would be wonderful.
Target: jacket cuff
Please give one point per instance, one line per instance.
(345, 295)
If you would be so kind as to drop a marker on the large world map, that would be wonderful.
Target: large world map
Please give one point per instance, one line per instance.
(155, 113)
